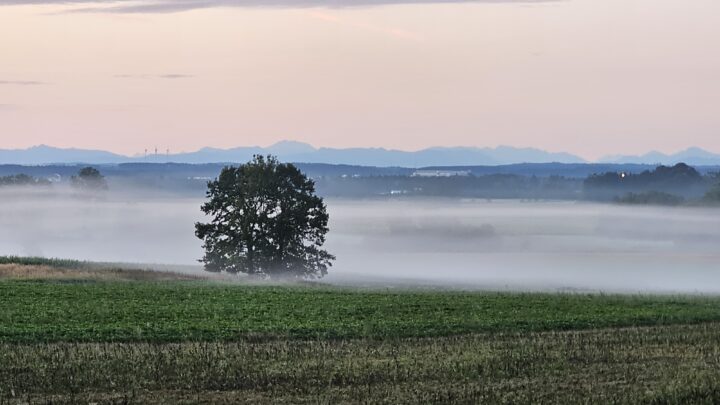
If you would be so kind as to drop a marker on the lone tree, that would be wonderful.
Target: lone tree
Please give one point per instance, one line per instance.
(89, 178)
(266, 221)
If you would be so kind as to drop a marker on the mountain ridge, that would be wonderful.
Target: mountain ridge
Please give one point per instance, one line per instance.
(299, 152)
(692, 156)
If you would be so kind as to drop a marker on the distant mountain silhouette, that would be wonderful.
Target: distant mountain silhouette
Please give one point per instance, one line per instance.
(691, 156)
(302, 153)
(44, 154)
(299, 152)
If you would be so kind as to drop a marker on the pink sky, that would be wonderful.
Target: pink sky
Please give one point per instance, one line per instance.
(589, 77)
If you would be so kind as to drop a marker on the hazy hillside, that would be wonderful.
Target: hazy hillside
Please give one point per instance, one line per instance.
(691, 156)
(298, 152)
(380, 157)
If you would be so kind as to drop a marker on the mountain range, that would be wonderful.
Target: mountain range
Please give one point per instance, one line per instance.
(691, 156)
(299, 152)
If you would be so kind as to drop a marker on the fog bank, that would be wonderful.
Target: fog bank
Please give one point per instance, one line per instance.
(507, 245)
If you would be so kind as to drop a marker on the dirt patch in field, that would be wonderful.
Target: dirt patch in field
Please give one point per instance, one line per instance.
(33, 272)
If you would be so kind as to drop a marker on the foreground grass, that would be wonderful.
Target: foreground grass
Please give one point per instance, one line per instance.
(669, 364)
(79, 333)
(86, 311)
(50, 262)
(40, 268)
(42, 272)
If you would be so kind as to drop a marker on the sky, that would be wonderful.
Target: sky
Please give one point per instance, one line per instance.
(590, 77)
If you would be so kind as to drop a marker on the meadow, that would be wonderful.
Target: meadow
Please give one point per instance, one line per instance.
(127, 337)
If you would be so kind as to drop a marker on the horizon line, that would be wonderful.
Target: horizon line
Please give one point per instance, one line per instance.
(166, 151)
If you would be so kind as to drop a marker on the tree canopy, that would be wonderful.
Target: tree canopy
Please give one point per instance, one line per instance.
(265, 221)
(89, 178)
(713, 195)
(681, 180)
(22, 180)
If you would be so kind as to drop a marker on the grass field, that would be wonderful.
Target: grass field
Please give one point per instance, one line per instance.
(85, 338)
(670, 364)
(91, 311)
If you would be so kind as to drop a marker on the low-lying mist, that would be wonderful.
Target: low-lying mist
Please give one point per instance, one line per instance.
(508, 245)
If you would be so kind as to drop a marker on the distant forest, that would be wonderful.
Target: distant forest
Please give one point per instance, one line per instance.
(22, 179)
(627, 184)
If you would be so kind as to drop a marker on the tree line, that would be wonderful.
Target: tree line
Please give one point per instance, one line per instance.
(88, 178)
(23, 180)
(665, 185)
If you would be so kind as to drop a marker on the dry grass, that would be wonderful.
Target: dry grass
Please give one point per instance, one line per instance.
(44, 272)
(656, 365)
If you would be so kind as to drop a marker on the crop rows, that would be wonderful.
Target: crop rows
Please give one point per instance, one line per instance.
(670, 364)
(44, 311)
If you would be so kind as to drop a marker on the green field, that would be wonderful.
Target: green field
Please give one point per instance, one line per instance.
(81, 339)
(81, 311)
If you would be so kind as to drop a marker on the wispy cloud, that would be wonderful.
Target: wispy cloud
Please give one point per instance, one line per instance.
(170, 6)
(21, 83)
(175, 76)
(161, 76)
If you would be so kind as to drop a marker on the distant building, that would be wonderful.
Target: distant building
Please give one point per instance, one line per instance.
(440, 173)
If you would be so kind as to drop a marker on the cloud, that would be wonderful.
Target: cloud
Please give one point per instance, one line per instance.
(175, 76)
(162, 76)
(170, 6)
(21, 83)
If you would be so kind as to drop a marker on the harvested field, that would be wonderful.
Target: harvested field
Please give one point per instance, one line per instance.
(45, 272)
(670, 364)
